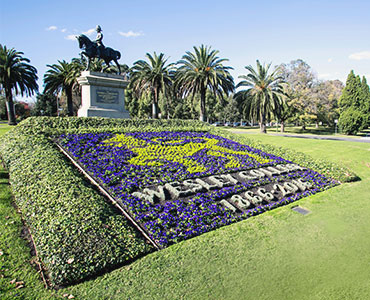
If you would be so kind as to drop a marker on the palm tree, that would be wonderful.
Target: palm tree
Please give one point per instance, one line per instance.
(203, 70)
(62, 77)
(264, 95)
(154, 77)
(16, 75)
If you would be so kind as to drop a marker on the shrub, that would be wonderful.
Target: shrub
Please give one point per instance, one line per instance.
(76, 233)
(352, 121)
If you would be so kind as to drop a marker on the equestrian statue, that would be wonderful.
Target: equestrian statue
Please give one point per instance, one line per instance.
(96, 49)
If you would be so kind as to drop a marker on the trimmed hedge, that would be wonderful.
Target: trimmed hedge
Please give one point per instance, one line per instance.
(50, 126)
(78, 234)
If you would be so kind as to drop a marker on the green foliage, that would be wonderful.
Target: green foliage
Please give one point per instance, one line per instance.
(62, 77)
(131, 103)
(201, 71)
(354, 105)
(56, 126)
(351, 121)
(309, 100)
(264, 96)
(365, 106)
(16, 75)
(351, 93)
(22, 110)
(154, 77)
(230, 112)
(76, 232)
(46, 105)
(185, 108)
(326, 95)
(3, 112)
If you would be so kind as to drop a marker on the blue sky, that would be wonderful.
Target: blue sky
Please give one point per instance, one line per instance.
(333, 37)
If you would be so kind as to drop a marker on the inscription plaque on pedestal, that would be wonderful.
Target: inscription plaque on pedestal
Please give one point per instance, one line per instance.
(102, 95)
(105, 96)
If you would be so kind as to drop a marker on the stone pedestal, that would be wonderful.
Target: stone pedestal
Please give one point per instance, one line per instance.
(102, 95)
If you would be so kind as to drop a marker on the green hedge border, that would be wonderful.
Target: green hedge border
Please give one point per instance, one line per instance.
(77, 234)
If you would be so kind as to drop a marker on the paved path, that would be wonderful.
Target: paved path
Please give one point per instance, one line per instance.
(309, 136)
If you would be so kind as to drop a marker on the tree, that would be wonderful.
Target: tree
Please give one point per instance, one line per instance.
(22, 110)
(264, 95)
(62, 77)
(46, 105)
(154, 77)
(326, 95)
(216, 106)
(351, 94)
(285, 112)
(230, 111)
(3, 112)
(16, 75)
(201, 71)
(300, 79)
(353, 104)
(365, 97)
(351, 121)
(185, 108)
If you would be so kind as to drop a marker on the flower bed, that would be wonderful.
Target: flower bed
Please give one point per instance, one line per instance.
(177, 185)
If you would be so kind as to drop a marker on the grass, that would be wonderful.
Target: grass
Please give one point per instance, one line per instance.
(310, 130)
(276, 255)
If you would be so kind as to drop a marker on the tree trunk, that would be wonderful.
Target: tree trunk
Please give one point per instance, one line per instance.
(202, 115)
(262, 123)
(154, 110)
(282, 126)
(10, 108)
(155, 105)
(69, 101)
(317, 125)
(262, 127)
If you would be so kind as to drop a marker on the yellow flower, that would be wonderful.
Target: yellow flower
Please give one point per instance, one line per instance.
(158, 155)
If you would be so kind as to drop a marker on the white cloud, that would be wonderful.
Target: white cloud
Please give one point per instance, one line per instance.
(89, 32)
(52, 28)
(63, 30)
(360, 55)
(330, 60)
(130, 34)
(71, 37)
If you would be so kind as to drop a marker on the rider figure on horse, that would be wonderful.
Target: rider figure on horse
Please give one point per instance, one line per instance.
(99, 44)
(95, 49)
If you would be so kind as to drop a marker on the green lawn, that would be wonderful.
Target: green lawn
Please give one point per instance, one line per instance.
(310, 130)
(276, 255)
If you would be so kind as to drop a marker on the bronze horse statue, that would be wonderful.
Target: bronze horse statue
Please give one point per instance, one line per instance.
(90, 51)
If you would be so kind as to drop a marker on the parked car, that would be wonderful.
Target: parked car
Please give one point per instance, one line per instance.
(243, 124)
(236, 124)
(217, 124)
(228, 124)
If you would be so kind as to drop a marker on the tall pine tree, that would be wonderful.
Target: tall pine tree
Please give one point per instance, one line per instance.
(353, 104)
(365, 99)
(351, 92)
